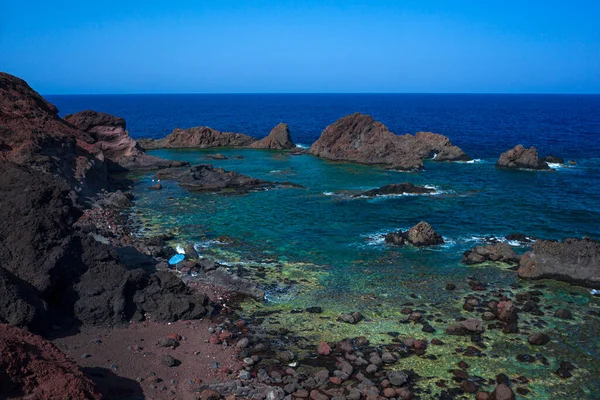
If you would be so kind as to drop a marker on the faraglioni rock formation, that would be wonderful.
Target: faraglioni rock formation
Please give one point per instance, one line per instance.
(206, 178)
(572, 260)
(279, 139)
(361, 139)
(201, 137)
(419, 235)
(521, 158)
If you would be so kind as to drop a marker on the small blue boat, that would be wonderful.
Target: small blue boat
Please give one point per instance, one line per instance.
(176, 259)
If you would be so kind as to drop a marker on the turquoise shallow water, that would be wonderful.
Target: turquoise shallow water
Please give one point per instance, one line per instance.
(318, 246)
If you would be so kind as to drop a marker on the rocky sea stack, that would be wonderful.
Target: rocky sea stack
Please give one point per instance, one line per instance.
(279, 139)
(419, 235)
(521, 158)
(359, 138)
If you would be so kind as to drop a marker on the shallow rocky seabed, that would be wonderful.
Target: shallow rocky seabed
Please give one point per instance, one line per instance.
(320, 247)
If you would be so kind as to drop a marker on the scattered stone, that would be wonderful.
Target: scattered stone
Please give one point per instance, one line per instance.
(242, 343)
(563, 314)
(503, 392)
(167, 342)
(324, 349)
(352, 318)
(565, 369)
(467, 327)
(397, 378)
(168, 361)
(538, 339)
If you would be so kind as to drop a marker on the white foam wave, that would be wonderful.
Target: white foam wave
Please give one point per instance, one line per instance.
(560, 166)
(328, 194)
(302, 146)
(179, 249)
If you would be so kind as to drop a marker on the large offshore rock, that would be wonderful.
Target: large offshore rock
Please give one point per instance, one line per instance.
(359, 138)
(279, 139)
(521, 158)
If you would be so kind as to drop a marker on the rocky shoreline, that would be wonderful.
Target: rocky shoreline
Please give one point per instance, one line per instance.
(71, 262)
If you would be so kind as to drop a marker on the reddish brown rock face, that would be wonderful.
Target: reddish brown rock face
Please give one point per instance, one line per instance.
(80, 149)
(359, 138)
(112, 143)
(521, 158)
(201, 137)
(279, 139)
(32, 368)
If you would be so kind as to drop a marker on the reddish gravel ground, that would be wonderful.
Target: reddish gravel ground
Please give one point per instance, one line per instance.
(127, 363)
(34, 369)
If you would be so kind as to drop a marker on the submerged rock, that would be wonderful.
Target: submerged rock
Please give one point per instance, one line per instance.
(217, 156)
(396, 188)
(572, 260)
(500, 252)
(359, 138)
(419, 235)
(279, 139)
(206, 178)
(521, 158)
(554, 160)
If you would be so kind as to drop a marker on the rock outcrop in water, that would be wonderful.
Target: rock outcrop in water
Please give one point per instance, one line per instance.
(499, 252)
(279, 139)
(419, 235)
(359, 138)
(33, 368)
(521, 158)
(396, 188)
(201, 137)
(206, 178)
(572, 260)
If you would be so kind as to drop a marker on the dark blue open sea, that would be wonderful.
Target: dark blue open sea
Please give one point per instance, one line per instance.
(318, 246)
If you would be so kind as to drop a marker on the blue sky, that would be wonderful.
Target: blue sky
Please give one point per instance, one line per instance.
(181, 46)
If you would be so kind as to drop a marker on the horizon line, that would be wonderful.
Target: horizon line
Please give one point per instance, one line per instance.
(321, 93)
